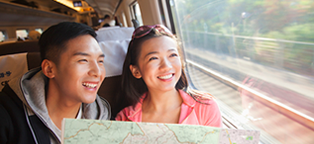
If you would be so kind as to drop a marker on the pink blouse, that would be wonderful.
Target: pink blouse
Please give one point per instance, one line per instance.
(192, 112)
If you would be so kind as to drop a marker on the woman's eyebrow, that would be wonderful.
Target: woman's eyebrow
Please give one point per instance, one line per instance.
(153, 52)
(172, 49)
(102, 55)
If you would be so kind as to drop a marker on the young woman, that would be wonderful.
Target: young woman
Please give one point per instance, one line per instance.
(154, 85)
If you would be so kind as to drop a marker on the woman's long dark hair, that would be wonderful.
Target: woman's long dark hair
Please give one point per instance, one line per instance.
(132, 88)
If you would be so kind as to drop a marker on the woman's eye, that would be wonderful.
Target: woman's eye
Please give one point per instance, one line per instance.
(101, 61)
(173, 55)
(152, 58)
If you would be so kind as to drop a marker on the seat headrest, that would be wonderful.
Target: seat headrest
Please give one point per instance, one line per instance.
(115, 52)
(19, 47)
(15, 65)
(12, 66)
(114, 43)
(124, 33)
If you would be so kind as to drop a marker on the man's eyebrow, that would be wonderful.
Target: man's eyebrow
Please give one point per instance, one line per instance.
(81, 53)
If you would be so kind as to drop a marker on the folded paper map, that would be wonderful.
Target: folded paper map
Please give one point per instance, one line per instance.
(82, 131)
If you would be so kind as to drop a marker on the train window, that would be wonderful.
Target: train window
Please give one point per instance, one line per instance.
(162, 12)
(257, 59)
(124, 20)
(21, 33)
(40, 30)
(166, 14)
(136, 12)
(2, 36)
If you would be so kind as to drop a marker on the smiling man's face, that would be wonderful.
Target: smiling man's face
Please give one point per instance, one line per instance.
(80, 70)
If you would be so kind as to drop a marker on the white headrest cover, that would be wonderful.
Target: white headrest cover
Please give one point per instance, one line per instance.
(12, 66)
(114, 43)
(124, 33)
(115, 52)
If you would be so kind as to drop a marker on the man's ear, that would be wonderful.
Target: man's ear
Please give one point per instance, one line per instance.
(48, 67)
(135, 71)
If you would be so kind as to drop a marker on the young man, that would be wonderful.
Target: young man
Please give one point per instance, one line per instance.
(33, 106)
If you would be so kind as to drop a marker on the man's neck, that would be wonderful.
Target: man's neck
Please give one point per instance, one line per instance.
(59, 107)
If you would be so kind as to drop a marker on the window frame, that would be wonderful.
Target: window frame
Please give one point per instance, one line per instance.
(133, 11)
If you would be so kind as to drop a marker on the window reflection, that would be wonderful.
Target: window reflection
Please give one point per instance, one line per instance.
(21, 34)
(266, 46)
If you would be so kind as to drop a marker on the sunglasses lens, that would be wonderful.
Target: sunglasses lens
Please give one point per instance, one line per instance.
(144, 30)
(141, 31)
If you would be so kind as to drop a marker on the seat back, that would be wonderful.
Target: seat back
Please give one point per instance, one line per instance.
(114, 43)
(16, 58)
(15, 65)
(108, 34)
(19, 47)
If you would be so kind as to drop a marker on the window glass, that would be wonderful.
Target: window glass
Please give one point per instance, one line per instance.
(22, 34)
(2, 36)
(40, 30)
(257, 59)
(136, 13)
(125, 24)
(162, 12)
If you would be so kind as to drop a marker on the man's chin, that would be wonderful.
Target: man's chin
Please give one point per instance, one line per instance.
(90, 100)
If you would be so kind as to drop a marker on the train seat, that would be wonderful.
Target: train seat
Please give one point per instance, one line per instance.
(14, 65)
(106, 28)
(19, 47)
(16, 58)
(108, 34)
(114, 43)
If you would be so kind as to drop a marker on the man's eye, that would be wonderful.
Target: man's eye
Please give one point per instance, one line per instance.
(82, 60)
(101, 61)
(152, 58)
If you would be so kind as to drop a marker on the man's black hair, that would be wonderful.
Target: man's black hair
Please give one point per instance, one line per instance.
(53, 41)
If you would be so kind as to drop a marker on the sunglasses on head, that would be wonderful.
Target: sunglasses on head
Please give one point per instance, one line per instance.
(146, 29)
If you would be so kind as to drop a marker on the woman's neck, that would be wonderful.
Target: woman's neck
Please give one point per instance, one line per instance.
(162, 101)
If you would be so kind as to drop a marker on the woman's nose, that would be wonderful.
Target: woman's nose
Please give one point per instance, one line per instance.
(165, 64)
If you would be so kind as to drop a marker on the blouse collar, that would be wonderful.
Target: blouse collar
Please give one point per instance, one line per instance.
(136, 112)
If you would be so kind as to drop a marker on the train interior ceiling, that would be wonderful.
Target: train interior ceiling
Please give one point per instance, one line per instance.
(255, 57)
(19, 15)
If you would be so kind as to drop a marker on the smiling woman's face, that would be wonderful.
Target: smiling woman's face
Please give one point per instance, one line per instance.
(159, 64)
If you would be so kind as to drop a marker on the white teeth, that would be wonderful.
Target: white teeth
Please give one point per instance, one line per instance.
(166, 76)
(89, 85)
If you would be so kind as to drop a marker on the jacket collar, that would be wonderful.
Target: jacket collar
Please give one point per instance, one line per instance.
(31, 87)
(136, 112)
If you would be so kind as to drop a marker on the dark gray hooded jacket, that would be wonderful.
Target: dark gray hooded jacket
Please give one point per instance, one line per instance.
(24, 115)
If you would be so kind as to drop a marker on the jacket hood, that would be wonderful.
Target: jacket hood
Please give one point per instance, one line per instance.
(31, 89)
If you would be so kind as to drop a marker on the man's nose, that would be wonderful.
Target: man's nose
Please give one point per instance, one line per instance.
(96, 69)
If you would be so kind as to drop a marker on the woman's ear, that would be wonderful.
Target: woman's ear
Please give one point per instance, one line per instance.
(135, 71)
(48, 68)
